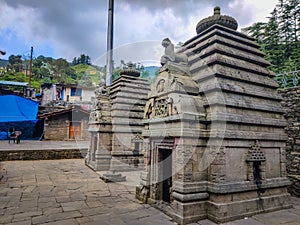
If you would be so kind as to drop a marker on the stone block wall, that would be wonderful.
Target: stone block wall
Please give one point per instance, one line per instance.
(56, 129)
(48, 154)
(291, 103)
(85, 130)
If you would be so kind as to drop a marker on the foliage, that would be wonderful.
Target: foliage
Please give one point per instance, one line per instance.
(279, 37)
(15, 63)
(87, 74)
(82, 59)
(145, 74)
(49, 70)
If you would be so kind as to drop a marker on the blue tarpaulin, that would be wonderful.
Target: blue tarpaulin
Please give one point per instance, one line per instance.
(14, 108)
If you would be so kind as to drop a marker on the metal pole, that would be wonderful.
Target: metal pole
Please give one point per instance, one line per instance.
(30, 68)
(110, 34)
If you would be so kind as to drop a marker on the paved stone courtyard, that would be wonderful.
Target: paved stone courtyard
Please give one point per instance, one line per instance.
(68, 192)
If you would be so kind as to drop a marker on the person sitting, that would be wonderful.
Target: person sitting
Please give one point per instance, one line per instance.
(14, 135)
(11, 134)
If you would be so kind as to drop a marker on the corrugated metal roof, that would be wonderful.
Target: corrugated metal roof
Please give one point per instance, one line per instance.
(13, 83)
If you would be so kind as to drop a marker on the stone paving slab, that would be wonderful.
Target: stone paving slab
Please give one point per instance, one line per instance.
(68, 192)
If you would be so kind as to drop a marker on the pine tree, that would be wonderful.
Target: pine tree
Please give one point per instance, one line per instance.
(279, 37)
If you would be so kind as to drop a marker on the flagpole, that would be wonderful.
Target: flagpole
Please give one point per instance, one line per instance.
(110, 34)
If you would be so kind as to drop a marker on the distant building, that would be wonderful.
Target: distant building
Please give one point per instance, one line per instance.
(66, 93)
(76, 93)
(13, 87)
(65, 111)
(64, 124)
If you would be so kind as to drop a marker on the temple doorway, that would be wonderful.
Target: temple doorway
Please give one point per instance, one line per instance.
(165, 156)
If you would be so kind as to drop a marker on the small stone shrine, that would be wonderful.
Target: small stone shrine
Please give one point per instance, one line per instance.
(214, 140)
(115, 124)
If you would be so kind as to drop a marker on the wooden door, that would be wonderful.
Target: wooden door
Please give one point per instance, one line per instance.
(75, 130)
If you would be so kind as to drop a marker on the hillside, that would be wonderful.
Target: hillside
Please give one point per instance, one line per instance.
(86, 74)
(152, 70)
(3, 63)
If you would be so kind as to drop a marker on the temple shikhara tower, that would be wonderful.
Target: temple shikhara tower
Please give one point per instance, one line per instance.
(213, 136)
(115, 124)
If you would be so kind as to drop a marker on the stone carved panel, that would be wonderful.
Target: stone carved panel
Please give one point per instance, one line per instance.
(161, 108)
(101, 90)
(137, 143)
(96, 117)
(256, 165)
(102, 95)
(97, 105)
(160, 87)
(255, 154)
(217, 173)
(217, 167)
(218, 156)
(149, 109)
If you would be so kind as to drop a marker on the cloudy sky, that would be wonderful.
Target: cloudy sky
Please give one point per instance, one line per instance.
(68, 28)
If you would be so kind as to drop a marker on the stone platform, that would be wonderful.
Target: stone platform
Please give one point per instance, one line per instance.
(43, 150)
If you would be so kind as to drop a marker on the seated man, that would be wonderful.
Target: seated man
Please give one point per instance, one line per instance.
(14, 135)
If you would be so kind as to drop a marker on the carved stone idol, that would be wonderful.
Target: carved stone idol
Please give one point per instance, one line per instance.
(101, 89)
(171, 55)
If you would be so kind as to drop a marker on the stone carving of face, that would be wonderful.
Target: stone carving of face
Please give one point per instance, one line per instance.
(160, 86)
(166, 42)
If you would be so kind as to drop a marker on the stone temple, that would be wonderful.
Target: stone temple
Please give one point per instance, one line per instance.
(115, 124)
(213, 137)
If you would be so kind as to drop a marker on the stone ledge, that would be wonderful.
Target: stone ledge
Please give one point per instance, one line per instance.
(247, 185)
(226, 188)
(190, 197)
(236, 210)
(48, 154)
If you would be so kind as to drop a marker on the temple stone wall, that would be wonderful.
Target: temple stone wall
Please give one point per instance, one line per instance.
(291, 102)
(128, 96)
(116, 124)
(100, 128)
(215, 120)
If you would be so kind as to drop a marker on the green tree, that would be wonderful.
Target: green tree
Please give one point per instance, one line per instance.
(279, 37)
(256, 31)
(15, 63)
(82, 58)
(74, 62)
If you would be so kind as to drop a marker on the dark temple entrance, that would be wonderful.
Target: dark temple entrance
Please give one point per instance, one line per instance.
(166, 173)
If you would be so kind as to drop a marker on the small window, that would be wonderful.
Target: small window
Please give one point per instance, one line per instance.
(76, 91)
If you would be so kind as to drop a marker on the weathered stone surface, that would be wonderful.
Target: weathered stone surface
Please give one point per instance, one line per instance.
(214, 136)
(116, 124)
(291, 102)
(40, 154)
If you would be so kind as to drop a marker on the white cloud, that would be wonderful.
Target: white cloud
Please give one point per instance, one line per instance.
(257, 10)
(73, 27)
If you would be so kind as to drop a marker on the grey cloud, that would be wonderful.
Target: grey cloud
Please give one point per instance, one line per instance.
(80, 26)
